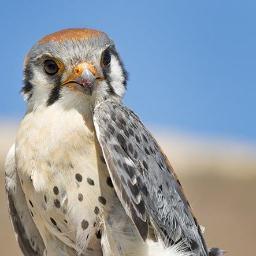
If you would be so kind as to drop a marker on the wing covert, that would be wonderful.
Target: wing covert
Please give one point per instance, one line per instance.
(143, 178)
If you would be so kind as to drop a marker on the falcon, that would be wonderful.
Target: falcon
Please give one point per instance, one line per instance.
(85, 177)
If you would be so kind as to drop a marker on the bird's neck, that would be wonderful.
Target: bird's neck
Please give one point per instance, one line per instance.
(63, 110)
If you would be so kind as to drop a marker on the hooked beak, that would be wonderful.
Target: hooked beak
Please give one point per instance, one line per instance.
(82, 78)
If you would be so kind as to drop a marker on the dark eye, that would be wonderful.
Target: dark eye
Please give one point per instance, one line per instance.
(50, 67)
(105, 58)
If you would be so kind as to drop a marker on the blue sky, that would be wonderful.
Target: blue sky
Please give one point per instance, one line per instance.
(191, 63)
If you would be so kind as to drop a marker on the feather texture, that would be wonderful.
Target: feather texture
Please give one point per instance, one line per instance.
(144, 180)
(27, 234)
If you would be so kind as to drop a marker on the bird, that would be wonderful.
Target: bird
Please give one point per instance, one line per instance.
(84, 176)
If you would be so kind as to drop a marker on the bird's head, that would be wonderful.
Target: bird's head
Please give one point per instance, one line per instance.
(73, 67)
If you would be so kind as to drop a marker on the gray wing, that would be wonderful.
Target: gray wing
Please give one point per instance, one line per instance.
(144, 180)
(27, 234)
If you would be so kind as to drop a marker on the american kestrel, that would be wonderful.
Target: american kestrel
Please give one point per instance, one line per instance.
(85, 177)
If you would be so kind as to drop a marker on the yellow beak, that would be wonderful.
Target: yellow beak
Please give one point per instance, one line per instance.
(83, 75)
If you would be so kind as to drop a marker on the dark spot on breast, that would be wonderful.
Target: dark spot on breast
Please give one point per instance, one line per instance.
(53, 221)
(57, 203)
(102, 200)
(31, 213)
(178, 182)
(109, 182)
(96, 210)
(31, 203)
(90, 181)
(59, 229)
(80, 197)
(55, 190)
(45, 198)
(79, 177)
(65, 221)
(135, 155)
(84, 224)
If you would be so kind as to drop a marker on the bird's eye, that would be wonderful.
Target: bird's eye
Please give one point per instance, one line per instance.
(51, 67)
(105, 58)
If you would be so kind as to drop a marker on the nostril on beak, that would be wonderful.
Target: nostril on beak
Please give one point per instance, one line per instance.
(77, 70)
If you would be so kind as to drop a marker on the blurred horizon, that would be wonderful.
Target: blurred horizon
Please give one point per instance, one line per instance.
(192, 82)
(191, 64)
(218, 178)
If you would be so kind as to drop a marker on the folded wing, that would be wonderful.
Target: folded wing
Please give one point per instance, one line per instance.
(144, 180)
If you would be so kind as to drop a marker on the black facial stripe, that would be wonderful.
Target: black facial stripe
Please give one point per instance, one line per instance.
(28, 87)
(106, 73)
(106, 70)
(54, 95)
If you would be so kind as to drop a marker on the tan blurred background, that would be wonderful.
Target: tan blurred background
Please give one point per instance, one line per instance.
(218, 176)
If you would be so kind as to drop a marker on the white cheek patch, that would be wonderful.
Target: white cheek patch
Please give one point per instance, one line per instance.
(117, 76)
(41, 90)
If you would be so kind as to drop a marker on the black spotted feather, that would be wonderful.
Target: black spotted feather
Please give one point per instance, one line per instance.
(144, 180)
